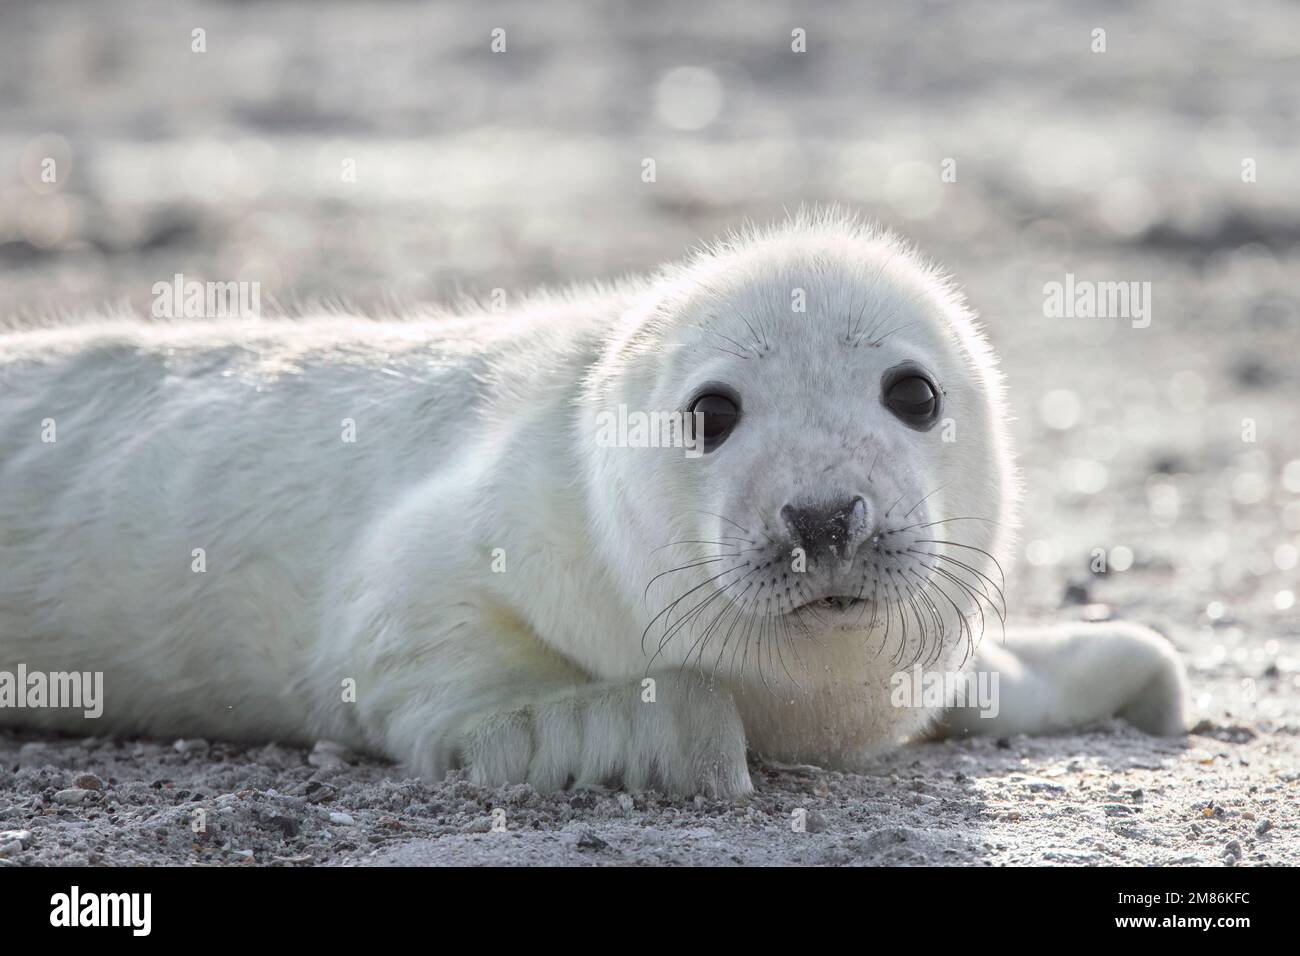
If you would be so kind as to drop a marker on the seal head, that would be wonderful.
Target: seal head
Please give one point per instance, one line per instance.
(839, 503)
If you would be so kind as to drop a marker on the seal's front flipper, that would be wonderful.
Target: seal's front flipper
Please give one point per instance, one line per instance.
(1059, 677)
(675, 733)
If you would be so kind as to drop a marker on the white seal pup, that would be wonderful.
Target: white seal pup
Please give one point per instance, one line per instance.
(620, 535)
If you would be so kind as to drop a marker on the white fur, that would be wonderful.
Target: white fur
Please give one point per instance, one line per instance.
(372, 561)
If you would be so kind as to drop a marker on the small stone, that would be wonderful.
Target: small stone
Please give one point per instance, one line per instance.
(9, 847)
(589, 841)
(341, 819)
(1233, 849)
(286, 825)
(71, 797)
(626, 802)
(20, 836)
(582, 800)
(1263, 827)
(194, 745)
(815, 822)
(88, 781)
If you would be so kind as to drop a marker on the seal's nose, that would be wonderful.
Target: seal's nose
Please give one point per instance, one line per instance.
(837, 528)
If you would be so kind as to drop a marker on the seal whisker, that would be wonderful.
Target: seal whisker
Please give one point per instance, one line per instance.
(923, 500)
(721, 544)
(930, 524)
(975, 599)
(703, 640)
(888, 609)
(922, 624)
(726, 638)
(668, 610)
(671, 631)
(876, 323)
(759, 621)
(970, 592)
(941, 625)
(969, 547)
(805, 632)
(963, 624)
(684, 567)
(727, 338)
(726, 519)
(974, 572)
(753, 333)
(902, 619)
(789, 640)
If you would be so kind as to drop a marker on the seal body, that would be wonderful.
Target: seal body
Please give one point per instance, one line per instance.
(437, 538)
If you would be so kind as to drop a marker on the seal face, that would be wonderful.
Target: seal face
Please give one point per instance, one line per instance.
(850, 520)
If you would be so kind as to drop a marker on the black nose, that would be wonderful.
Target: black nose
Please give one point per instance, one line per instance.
(837, 528)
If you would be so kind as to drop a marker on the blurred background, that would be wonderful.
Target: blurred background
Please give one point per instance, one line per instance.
(476, 169)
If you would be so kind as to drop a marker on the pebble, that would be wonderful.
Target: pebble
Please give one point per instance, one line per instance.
(286, 825)
(193, 745)
(589, 841)
(341, 819)
(626, 802)
(72, 796)
(88, 781)
(21, 836)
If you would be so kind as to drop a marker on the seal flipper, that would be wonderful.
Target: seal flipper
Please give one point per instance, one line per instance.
(1064, 676)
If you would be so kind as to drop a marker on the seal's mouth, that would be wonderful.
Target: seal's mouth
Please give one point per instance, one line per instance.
(833, 604)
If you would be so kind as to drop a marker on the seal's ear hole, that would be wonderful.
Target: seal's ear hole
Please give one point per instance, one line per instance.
(911, 396)
(712, 417)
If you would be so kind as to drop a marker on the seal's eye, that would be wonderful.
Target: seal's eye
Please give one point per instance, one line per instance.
(720, 414)
(912, 398)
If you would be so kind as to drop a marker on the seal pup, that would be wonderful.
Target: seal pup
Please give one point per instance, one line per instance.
(619, 535)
